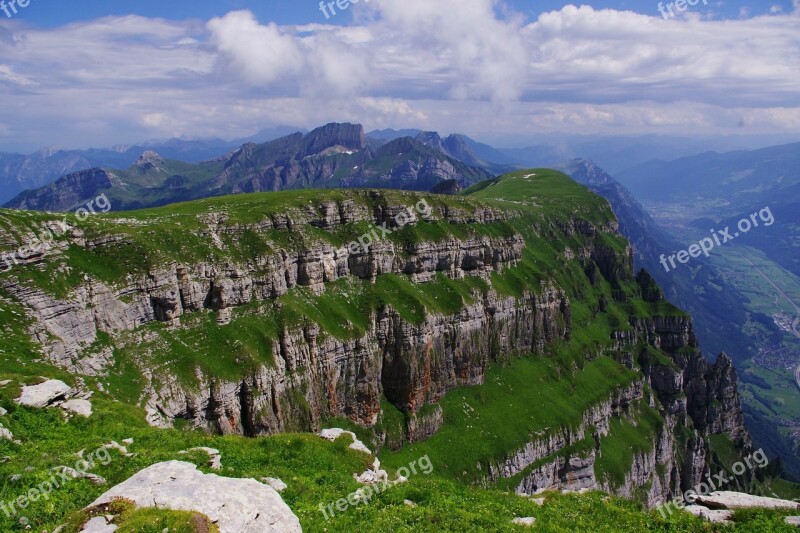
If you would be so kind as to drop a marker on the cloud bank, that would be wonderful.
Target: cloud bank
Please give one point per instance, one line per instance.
(450, 65)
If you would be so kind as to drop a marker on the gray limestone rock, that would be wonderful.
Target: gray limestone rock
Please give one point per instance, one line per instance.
(725, 499)
(44, 394)
(235, 505)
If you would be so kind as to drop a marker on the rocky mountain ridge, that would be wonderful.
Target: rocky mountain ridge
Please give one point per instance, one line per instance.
(280, 265)
(334, 155)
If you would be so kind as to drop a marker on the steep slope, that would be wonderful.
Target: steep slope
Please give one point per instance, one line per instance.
(338, 155)
(256, 315)
(716, 308)
(19, 172)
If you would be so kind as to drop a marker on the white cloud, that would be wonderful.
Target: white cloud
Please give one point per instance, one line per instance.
(449, 65)
(262, 54)
(7, 74)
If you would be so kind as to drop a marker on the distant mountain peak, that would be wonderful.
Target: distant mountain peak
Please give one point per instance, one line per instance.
(346, 137)
(49, 151)
(150, 161)
(432, 139)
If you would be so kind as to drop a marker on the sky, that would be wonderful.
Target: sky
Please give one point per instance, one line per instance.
(98, 73)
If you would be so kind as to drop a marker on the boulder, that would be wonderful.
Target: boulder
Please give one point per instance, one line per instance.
(235, 505)
(527, 521)
(43, 394)
(725, 499)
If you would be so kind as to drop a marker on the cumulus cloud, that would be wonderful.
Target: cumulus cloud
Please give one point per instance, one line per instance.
(262, 54)
(451, 65)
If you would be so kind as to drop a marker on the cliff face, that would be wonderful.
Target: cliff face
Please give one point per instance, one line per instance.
(693, 393)
(410, 362)
(67, 192)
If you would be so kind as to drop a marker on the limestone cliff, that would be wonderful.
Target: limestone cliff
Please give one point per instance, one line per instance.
(411, 362)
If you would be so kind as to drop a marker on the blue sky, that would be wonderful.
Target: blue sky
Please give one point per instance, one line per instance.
(58, 12)
(98, 73)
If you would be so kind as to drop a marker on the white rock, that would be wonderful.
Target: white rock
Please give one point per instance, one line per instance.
(98, 524)
(792, 520)
(409, 503)
(235, 505)
(369, 477)
(43, 394)
(332, 434)
(718, 516)
(738, 500)
(275, 483)
(79, 407)
(128, 441)
(114, 445)
(3, 412)
(5, 433)
(526, 521)
(75, 474)
(538, 501)
(5, 382)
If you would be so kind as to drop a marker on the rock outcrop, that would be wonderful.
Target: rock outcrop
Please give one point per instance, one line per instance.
(234, 505)
(736, 500)
(56, 393)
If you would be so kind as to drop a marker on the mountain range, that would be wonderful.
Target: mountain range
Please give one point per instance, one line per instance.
(335, 155)
(19, 172)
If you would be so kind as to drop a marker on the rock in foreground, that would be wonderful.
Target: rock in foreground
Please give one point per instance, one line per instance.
(235, 505)
(725, 499)
(44, 394)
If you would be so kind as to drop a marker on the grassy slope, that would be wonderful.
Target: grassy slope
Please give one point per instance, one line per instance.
(316, 471)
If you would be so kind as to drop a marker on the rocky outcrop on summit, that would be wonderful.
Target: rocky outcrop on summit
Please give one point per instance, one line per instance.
(346, 136)
(150, 162)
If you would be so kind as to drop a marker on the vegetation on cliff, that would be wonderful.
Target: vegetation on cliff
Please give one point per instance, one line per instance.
(547, 336)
